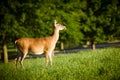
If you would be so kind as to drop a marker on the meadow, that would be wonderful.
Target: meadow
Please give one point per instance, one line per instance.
(101, 64)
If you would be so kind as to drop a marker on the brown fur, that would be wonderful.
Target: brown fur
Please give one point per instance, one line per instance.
(38, 45)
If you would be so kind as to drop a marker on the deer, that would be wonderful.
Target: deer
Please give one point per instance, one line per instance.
(38, 46)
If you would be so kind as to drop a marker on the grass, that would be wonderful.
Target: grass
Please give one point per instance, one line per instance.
(102, 64)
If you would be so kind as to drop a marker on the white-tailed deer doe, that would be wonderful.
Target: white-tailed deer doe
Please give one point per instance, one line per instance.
(38, 45)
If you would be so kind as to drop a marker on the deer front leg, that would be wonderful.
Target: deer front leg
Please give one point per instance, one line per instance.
(50, 57)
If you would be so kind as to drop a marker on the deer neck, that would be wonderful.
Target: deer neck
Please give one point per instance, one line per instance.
(55, 35)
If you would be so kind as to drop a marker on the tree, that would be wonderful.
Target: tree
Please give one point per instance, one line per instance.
(10, 27)
(112, 26)
(69, 12)
(99, 22)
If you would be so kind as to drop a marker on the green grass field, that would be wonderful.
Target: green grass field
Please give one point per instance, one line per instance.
(102, 64)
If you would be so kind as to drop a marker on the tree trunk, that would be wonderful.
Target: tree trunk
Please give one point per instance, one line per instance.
(61, 45)
(0, 55)
(4, 55)
(93, 45)
(5, 52)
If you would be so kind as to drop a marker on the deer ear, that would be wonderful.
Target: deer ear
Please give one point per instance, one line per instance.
(55, 22)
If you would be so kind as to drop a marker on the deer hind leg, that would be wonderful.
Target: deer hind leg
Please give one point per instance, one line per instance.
(16, 62)
(22, 59)
(18, 58)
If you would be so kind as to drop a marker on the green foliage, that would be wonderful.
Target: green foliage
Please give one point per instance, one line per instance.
(96, 20)
(93, 65)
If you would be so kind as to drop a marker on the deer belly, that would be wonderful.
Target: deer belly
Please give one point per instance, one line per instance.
(38, 53)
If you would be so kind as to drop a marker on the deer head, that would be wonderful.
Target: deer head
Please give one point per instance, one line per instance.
(59, 26)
